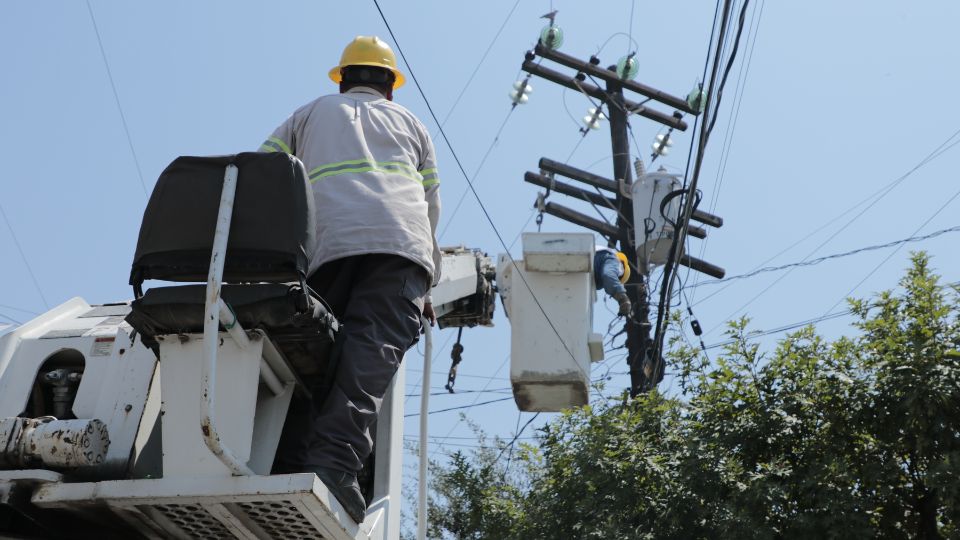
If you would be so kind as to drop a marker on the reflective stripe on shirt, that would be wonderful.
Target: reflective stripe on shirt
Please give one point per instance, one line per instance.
(430, 177)
(364, 165)
(274, 144)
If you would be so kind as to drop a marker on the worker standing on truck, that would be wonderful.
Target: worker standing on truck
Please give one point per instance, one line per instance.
(372, 168)
(611, 270)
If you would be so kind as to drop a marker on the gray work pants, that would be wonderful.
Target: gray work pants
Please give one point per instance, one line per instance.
(378, 299)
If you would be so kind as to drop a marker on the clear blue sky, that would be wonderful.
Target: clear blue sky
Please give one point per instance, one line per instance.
(838, 100)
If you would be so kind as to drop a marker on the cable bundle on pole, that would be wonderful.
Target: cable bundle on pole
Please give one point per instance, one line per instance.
(686, 207)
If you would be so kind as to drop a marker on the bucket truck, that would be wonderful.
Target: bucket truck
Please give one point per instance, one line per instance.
(160, 417)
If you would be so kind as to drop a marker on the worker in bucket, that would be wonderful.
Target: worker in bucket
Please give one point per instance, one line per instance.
(372, 168)
(611, 269)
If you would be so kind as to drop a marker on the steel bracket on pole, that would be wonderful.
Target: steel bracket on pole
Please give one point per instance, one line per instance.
(541, 203)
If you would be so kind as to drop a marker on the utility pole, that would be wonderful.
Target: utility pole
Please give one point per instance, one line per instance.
(637, 325)
(637, 328)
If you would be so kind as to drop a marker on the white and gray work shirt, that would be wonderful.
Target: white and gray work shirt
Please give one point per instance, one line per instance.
(373, 170)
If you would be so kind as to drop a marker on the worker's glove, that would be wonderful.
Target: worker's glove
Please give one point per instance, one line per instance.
(625, 306)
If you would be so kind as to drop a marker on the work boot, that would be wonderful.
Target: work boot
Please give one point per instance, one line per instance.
(344, 486)
(625, 306)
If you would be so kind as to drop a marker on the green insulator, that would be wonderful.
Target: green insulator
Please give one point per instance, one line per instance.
(551, 37)
(697, 99)
(627, 67)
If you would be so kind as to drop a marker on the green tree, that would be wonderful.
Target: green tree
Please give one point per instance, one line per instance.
(855, 438)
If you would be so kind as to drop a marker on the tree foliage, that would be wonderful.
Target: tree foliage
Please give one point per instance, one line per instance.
(855, 438)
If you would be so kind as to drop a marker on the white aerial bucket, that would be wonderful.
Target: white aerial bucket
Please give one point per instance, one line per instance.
(551, 317)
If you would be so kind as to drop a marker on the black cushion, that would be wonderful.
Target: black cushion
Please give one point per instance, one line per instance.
(271, 233)
(303, 333)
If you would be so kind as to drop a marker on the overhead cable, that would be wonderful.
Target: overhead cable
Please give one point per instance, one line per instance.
(693, 142)
(793, 326)
(485, 377)
(116, 97)
(483, 161)
(479, 63)
(873, 199)
(784, 328)
(9, 318)
(456, 101)
(21, 310)
(460, 407)
(477, 398)
(731, 130)
(892, 253)
(812, 262)
(23, 257)
(686, 204)
(472, 188)
(514, 439)
(444, 392)
(730, 61)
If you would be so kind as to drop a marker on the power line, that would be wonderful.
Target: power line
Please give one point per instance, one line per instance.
(819, 260)
(477, 398)
(801, 324)
(686, 203)
(730, 61)
(613, 35)
(14, 308)
(444, 392)
(23, 257)
(463, 438)
(784, 328)
(671, 272)
(470, 184)
(116, 97)
(480, 63)
(460, 407)
(686, 172)
(496, 137)
(514, 439)
(731, 129)
(459, 375)
(892, 253)
(738, 99)
(9, 318)
(439, 444)
(873, 199)
(483, 161)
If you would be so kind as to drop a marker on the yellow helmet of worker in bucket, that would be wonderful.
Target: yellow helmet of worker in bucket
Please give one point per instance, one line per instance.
(626, 267)
(368, 51)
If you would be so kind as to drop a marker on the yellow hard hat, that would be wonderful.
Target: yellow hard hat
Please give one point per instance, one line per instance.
(368, 51)
(626, 267)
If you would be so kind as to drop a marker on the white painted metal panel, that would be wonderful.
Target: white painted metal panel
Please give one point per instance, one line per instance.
(458, 278)
(558, 252)
(267, 426)
(551, 315)
(383, 515)
(181, 357)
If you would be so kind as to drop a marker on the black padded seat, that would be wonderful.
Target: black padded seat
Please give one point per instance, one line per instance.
(268, 251)
(271, 232)
(303, 335)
